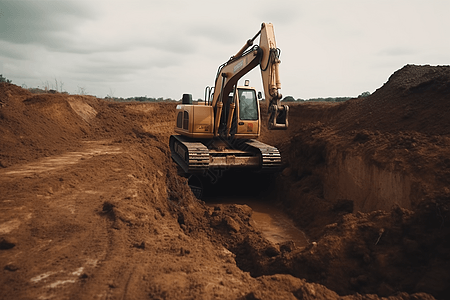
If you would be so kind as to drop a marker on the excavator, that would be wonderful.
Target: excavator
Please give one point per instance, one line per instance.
(221, 132)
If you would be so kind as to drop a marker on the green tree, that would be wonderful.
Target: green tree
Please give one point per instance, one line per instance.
(3, 79)
(288, 99)
(364, 94)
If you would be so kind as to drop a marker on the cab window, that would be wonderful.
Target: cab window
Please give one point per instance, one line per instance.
(248, 106)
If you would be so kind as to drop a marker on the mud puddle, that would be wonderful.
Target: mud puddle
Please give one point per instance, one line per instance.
(273, 223)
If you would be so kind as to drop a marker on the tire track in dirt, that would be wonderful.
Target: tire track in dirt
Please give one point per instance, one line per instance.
(58, 249)
(55, 163)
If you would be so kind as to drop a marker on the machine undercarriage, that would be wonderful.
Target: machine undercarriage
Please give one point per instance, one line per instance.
(199, 156)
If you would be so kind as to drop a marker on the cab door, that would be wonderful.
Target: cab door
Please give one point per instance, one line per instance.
(248, 113)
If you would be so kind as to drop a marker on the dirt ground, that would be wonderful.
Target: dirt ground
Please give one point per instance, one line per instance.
(92, 206)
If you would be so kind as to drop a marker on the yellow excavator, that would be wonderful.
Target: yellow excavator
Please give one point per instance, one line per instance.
(220, 132)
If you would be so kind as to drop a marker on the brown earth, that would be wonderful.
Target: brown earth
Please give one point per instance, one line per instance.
(92, 207)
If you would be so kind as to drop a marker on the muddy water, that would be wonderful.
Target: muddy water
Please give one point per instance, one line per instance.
(274, 224)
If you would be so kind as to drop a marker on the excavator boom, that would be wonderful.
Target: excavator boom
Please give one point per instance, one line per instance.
(266, 55)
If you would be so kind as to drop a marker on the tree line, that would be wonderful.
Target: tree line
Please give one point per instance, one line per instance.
(139, 99)
(161, 99)
(328, 99)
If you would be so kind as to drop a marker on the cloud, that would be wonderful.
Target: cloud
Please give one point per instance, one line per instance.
(167, 47)
(397, 51)
(10, 50)
(46, 23)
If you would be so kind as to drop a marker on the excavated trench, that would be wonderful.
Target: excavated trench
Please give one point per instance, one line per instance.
(275, 225)
(342, 202)
(271, 229)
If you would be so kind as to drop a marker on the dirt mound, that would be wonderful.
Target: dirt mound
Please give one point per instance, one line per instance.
(386, 158)
(34, 126)
(415, 98)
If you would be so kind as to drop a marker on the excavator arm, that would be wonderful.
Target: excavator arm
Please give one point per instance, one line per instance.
(266, 55)
(269, 65)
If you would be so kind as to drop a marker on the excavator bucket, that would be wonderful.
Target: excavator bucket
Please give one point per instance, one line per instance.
(278, 119)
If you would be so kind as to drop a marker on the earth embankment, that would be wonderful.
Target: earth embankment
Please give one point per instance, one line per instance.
(380, 166)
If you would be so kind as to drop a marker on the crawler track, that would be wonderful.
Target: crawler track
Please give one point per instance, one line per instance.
(270, 156)
(194, 156)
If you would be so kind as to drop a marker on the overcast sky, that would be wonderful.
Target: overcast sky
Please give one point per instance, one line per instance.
(166, 48)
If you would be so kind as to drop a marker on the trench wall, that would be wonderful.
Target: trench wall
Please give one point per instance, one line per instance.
(367, 185)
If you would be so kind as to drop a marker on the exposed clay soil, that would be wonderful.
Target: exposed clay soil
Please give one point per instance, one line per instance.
(92, 206)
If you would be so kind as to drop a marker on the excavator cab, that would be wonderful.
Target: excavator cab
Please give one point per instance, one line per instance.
(248, 105)
(248, 116)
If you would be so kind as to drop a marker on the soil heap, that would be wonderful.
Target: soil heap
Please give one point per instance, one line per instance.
(369, 181)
